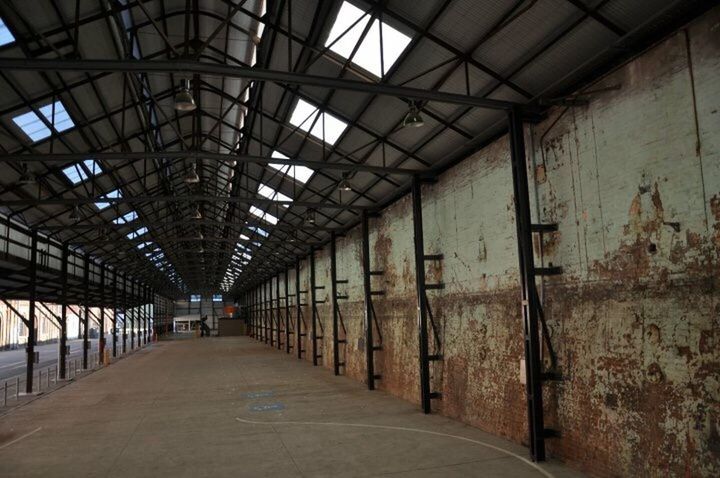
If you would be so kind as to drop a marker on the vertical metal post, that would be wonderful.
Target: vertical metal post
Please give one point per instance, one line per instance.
(287, 312)
(271, 312)
(114, 315)
(86, 312)
(266, 329)
(420, 294)
(313, 314)
(369, 353)
(124, 309)
(298, 309)
(278, 315)
(132, 313)
(30, 347)
(62, 355)
(529, 305)
(101, 340)
(335, 310)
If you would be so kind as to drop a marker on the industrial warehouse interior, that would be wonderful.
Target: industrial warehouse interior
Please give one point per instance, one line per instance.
(357, 238)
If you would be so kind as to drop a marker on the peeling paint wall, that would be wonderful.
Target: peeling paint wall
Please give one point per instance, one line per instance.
(633, 182)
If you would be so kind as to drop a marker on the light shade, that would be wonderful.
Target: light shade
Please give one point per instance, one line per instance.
(310, 216)
(344, 185)
(26, 177)
(197, 214)
(413, 118)
(74, 214)
(192, 176)
(184, 100)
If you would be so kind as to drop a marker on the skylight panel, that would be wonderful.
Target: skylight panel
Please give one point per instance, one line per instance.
(137, 233)
(31, 124)
(367, 56)
(255, 211)
(5, 36)
(270, 193)
(79, 172)
(299, 173)
(323, 125)
(125, 218)
(258, 230)
(217, 298)
(143, 244)
(111, 195)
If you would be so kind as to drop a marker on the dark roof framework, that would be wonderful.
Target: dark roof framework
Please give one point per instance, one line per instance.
(294, 99)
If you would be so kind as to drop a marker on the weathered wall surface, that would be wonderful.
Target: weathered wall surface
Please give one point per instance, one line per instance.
(633, 181)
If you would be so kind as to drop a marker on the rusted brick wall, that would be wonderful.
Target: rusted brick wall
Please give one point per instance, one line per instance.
(633, 181)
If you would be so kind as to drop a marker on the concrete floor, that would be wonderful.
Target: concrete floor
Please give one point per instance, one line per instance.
(232, 407)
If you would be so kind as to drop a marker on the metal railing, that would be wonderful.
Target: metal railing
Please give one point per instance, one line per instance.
(46, 378)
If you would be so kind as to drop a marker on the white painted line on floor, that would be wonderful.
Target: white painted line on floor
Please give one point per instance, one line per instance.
(20, 438)
(405, 429)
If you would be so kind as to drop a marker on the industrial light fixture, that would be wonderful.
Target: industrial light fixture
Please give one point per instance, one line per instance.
(192, 176)
(201, 250)
(74, 214)
(345, 184)
(103, 234)
(200, 236)
(197, 214)
(26, 177)
(413, 119)
(310, 216)
(183, 99)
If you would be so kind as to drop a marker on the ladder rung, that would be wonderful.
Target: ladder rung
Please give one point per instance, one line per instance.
(303, 335)
(318, 356)
(341, 364)
(435, 357)
(551, 376)
(377, 347)
(377, 273)
(320, 301)
(302, 291)
(551, 433)
(377, 292)
(342, 341)
(433, 257)
(319, 287)
(318, 337)
(377, 376)
(543, 227)
(437, 395)
(340, 297)
(342, 281)
(434, 286)
(548, 271)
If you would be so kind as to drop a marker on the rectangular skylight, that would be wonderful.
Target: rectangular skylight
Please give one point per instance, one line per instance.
(255, 211)
(79, 172)
(299, 173)
(268, 192)
(367, 56)
(217, 298)
(195, 298)
(258, 230)
(111, 195)
(143, 244)
(308, 117)
(31, 124)
(137, 233)
(125, 218)
(5, 36)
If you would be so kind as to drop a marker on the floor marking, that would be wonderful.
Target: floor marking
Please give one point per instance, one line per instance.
(406, 429)
(12, 364)
(20, 438)
(266, 407)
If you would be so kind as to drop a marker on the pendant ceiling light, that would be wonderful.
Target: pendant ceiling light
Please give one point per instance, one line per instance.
(413, 119)
(184, 100)
(75, 214)
(26, 177)
(197, 214)
(345, 184)
(192, 176)
(310, 216)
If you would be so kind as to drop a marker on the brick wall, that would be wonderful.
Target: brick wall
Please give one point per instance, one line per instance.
(633, 181)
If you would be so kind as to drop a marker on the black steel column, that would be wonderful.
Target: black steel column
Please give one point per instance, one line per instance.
(334, 298)
(287, 312)
(101, 340)
(125, 319)
(271, 312)
(533, 379)
(32, 335)
(369, 353)
(313, 314)
(114, 315)
(420, 294)
(86, 315)
(278, 314)
(298, 309)
(132, 312)
(62, 356)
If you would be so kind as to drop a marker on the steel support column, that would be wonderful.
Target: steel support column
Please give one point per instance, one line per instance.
(101, 340)
(32, 334)
(298, 310)
(114, 315)
(313, 308)
(270, 310)
(367, 293)
(86, 312)
(528, 299)
(420, 294)
(131, 313)
(62, 351)
(278, 314)
(335, 309)
(287, 312)
(124, 309)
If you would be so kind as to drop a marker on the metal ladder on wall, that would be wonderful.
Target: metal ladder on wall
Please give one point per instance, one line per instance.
(300, 325)
(316, 322)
